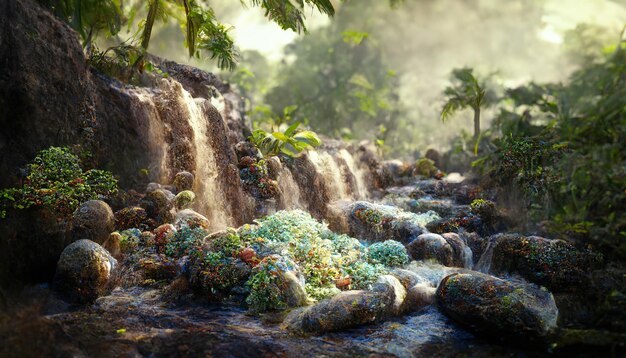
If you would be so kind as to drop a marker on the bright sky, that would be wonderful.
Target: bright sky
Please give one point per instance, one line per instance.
(253, 32)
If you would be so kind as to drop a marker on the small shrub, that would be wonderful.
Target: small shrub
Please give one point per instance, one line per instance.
(425, 167)
(216, 274)
(363, 274)
(267, 284)
(388, 253)
(57, 182)
(185, 242)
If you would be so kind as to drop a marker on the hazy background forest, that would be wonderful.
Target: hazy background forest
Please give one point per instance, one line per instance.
(378, 72)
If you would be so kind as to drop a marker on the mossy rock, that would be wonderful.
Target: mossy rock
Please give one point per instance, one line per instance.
(499, 308)
(183, 181)
(131, 217)
(83, 271)
(431, 247)
(93, 220)
(348, 309)
(184, 199)
(555, 264)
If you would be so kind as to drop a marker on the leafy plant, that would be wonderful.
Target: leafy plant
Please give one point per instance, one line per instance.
(201, 28)
(56, 181)
(466, 91)
(289, 142)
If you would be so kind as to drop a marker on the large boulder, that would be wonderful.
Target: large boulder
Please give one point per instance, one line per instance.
(395, 292)
(93, 220)
(504, 309)
(191, 219)
(347, 309)
(552, 263)
(431, 247)
(83, 271)
(158, 204)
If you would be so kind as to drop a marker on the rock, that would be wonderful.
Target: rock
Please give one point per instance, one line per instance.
(347, 309)
(552, 263)
(157, 204)
(375, 222)
(93, 220)
(158, 267)
(486, 304)
(418, 297)
(112, 245)
(83, 271)
(190, 219)
(431, 247)
(131, 217)
(152, 187)
(395, 292)
(408, 278)
(184, 199)
(461, 253)
(183, 181)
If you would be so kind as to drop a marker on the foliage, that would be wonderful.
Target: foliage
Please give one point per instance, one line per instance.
(57, 182)
(388, 253)
(89, 17)
(289, 142)
(185, 242)
(267, 284)
(466, 91)
(201, 28)
(216, 273)
(426, 167)
(562, 146)
(229, 244)
(363, 274)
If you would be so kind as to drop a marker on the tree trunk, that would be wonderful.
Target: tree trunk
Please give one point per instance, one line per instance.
(476, 123)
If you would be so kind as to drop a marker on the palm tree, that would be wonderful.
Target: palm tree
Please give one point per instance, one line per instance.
(465, 92)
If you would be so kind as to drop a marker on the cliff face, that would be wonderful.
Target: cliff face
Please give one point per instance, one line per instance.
(50, 96)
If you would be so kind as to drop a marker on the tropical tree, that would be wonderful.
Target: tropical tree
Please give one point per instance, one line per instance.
(466, 92)
(202, 29)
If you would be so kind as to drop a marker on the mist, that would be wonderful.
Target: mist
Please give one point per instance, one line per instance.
(513, 41)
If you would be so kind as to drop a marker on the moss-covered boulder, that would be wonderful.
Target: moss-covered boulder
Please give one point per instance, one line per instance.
(93, 220)
(375, 222)
(184, 199)
(431, 247)
(555, 264)
(132, 217)
(158, 204)
(183, 181)
(395, 292)
(191, 219)
(348, 309)
(83, 271)
(504, 309)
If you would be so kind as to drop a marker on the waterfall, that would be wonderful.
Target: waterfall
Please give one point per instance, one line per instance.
(144, 110)
(361, 189)
(484, 263)
(290, 193)
(210, 199)
(327, 168)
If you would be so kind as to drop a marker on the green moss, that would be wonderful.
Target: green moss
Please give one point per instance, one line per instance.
(388, 253)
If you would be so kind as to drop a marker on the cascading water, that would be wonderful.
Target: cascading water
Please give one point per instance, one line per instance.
(361, 191)
(290, 193)
(211, 200)
(327, 168)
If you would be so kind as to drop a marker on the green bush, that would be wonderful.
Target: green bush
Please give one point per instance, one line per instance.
(388, 253)
(57, 182)
(267, 284)
(186, 241)
(363, 274)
